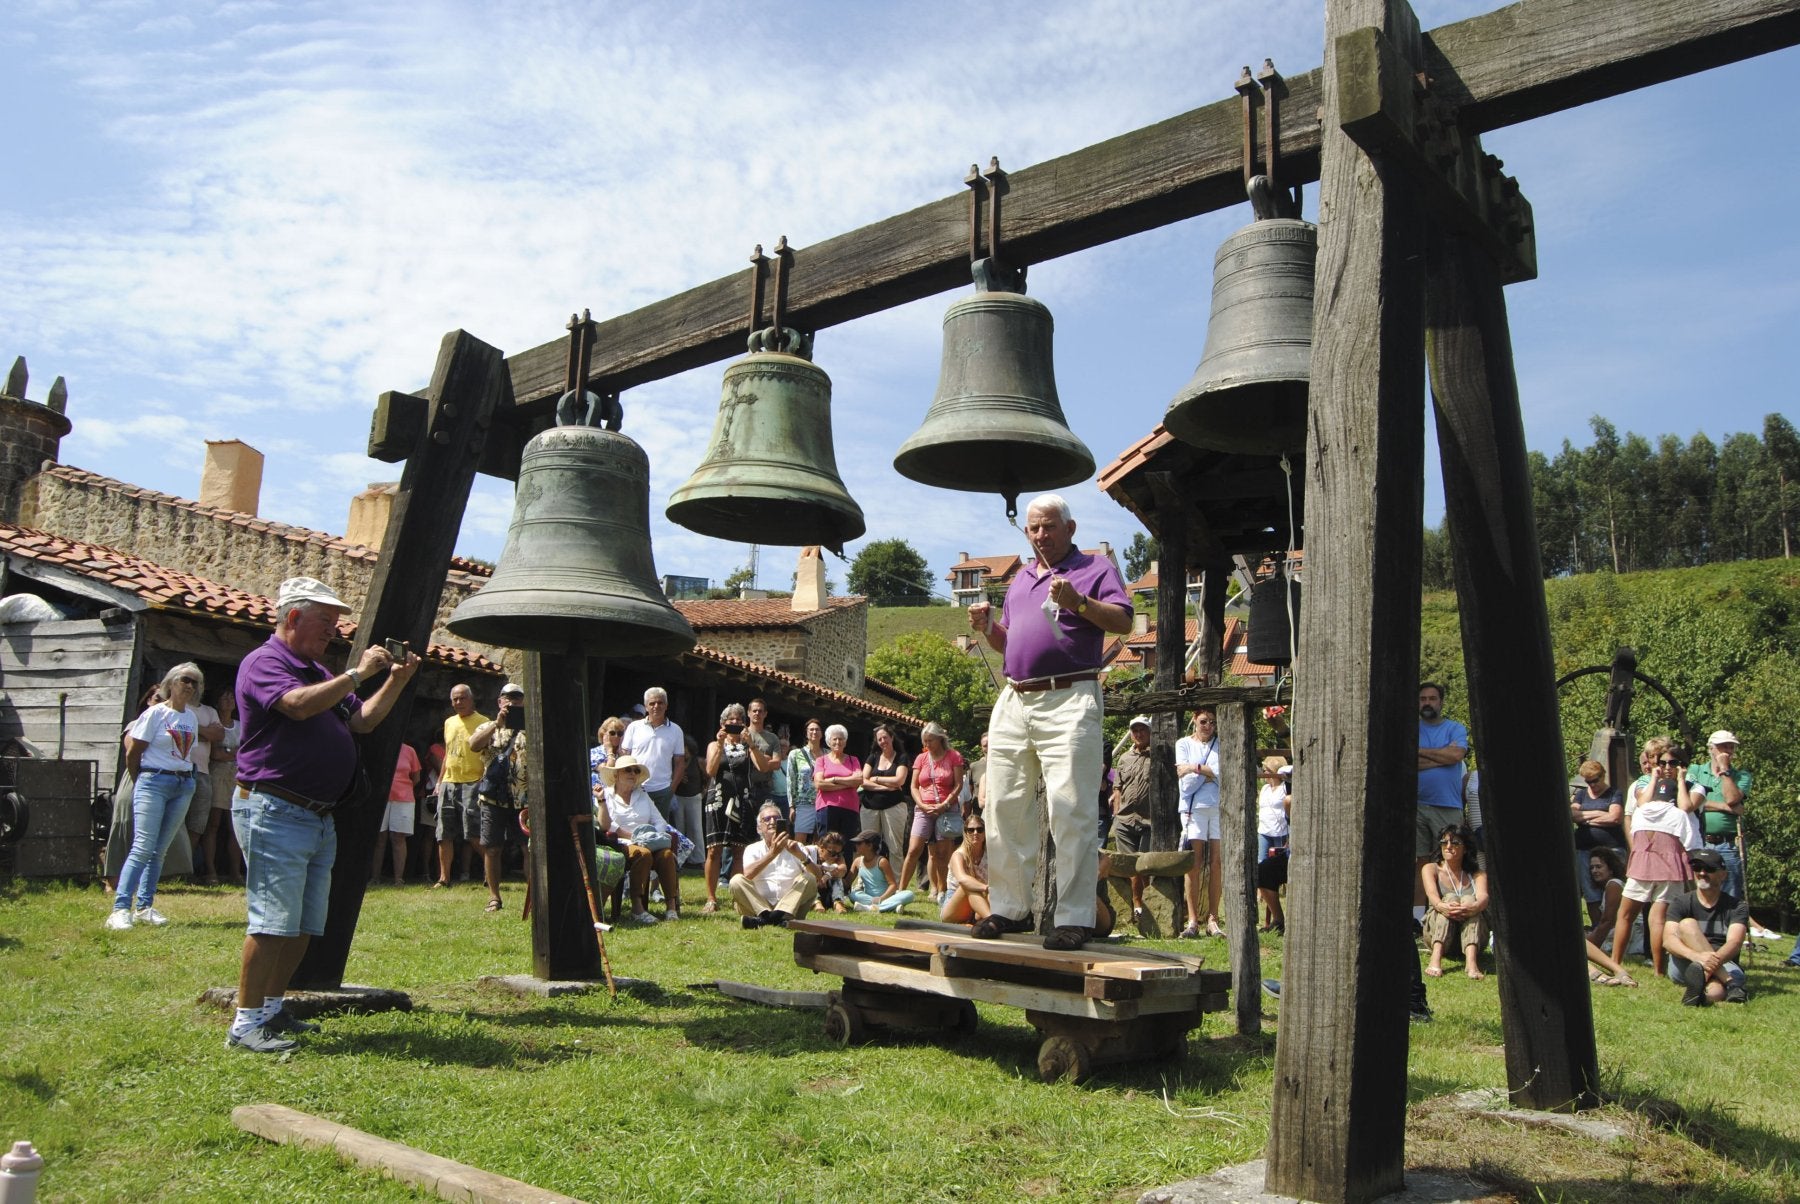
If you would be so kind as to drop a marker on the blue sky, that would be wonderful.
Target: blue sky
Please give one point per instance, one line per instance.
(246, 220)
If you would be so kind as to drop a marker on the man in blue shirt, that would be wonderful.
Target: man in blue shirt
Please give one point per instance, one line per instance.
(1443, 743)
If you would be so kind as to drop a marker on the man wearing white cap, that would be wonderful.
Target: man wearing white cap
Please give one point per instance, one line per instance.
(1724, 788)
(502, 789)
(297, 760)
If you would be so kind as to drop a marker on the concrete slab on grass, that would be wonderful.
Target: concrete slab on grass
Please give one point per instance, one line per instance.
(1243, 1184)
(1492, 1102)
(306, 1004)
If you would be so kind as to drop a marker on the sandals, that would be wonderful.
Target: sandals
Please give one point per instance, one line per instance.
(711, 907)
(1190, 933)
(493, 905)
(1066, 938)
(997, 926)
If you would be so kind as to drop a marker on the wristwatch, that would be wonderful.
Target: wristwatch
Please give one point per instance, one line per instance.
(1082, 609)
(355, 681)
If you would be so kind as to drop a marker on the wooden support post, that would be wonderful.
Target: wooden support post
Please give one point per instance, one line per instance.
(556, 741)
(1339, 1112)
(1545, 1006)
(468, 385)
(1213, 585)
(1171, 662)
(1238, 785)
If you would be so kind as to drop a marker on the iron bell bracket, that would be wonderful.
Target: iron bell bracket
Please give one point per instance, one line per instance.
(579, 405)
(778, 335)
(991, 272)
(1269, 197)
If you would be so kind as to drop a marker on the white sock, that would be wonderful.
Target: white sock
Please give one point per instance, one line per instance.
(1419, 913)
(247, 1019)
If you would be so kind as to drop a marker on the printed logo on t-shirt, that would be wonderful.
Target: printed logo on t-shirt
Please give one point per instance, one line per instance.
(181, 739)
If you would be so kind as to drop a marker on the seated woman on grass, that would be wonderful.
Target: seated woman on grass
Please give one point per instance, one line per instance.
(968, 899)
(1456, 899)
(874, 885)
(648, 838)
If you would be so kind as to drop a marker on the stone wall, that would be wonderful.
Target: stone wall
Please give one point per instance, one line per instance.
(827, 649)
(29, 435)
(222, 545)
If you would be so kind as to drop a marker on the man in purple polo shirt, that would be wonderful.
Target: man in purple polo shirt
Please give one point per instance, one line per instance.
(296, 759)
(1046, 724)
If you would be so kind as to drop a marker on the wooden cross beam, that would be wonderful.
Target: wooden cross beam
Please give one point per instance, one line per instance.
(1490, 71)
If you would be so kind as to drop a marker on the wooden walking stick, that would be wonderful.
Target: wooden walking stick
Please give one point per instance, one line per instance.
(593, 898)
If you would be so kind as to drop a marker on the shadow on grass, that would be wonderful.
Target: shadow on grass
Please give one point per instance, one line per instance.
(31, 1083)
(11, 942)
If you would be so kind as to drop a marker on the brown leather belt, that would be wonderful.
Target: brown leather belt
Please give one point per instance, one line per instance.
(1050, 683)
(288, 796)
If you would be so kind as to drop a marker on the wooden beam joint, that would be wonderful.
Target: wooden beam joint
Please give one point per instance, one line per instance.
(1388, 108)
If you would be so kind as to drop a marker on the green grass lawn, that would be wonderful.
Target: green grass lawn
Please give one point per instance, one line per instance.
(675, 1092)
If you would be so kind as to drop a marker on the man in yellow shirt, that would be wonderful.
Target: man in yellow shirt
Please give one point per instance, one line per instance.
(459, 804)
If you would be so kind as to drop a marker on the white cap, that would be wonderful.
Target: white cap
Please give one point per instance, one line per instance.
(296, 590)
(1139, 719)
(1722, 737)
(513, 687)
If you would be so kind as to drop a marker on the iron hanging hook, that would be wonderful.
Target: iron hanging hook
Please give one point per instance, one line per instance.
(580, 406)
(991, 272)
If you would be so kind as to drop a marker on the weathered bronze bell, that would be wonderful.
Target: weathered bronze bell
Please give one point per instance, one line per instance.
(1249, 392)
(576, 573)
(769, 475)
(996, 424)
(1271, 637)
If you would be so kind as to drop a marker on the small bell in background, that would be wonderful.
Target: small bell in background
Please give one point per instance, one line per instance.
(1274, 618)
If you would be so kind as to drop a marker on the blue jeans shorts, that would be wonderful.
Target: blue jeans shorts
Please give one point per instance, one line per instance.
(288, 852)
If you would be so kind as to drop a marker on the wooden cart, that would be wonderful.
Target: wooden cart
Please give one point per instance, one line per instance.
(1094, 1007)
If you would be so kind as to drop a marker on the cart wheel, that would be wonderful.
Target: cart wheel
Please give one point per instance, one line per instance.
(1060, 1058)
(844, 1025)
(967, 1020)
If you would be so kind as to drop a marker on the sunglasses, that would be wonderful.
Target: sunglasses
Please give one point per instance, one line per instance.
(1704, 869)
(193, 683)
(1448, 841)
(1668, 761)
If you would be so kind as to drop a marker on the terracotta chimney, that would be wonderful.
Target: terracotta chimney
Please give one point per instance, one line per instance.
(231, 476)
(369, 511)
(809, 582)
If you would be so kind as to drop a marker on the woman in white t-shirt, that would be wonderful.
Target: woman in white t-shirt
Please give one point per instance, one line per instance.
(157, 752)
(636, 822)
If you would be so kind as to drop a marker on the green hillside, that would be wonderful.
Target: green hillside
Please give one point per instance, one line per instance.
(886, 622)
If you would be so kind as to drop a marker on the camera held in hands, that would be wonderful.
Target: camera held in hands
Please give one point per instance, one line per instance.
(734, 729)
(783, 828)
(514, 719)
(396, 649)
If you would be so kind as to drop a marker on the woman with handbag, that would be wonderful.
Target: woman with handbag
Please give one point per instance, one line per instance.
(649, 840)
(887, 775)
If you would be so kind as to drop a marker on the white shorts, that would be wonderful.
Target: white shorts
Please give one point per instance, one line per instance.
(399, 818)
(1654, 892)
(1202, 824)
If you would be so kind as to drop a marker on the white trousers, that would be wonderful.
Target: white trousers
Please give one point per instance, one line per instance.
(1053, 737)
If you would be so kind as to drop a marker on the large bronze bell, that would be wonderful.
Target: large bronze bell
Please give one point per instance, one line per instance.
(996, 424)
(1249, 392)
(576, 573)
(769, 475)
(1271, 635)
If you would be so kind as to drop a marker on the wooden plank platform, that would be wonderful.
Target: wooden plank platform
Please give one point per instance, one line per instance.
(1096, 984)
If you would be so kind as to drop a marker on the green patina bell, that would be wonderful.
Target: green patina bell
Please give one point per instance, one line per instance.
(770, 475)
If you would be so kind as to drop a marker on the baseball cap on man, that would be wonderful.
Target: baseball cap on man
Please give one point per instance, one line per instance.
(296, 590)
(1139, 721)
(513, 687)
(1705, 859)
(1721, 737)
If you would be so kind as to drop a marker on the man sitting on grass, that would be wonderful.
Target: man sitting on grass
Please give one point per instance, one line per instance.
(780, 878)
(1703, 934)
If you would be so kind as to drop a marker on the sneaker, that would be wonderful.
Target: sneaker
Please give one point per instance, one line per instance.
(674, 913)
(752, 922)
(1736, 995)
(119, 919)
(281, 1022)
(259, 1040)
(149, 915)
(1272, 987)
(642, 917)
(1695, 978)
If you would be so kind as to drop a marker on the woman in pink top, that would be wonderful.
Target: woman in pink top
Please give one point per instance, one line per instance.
(836, 777)
(401, 813)
(937, 813)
